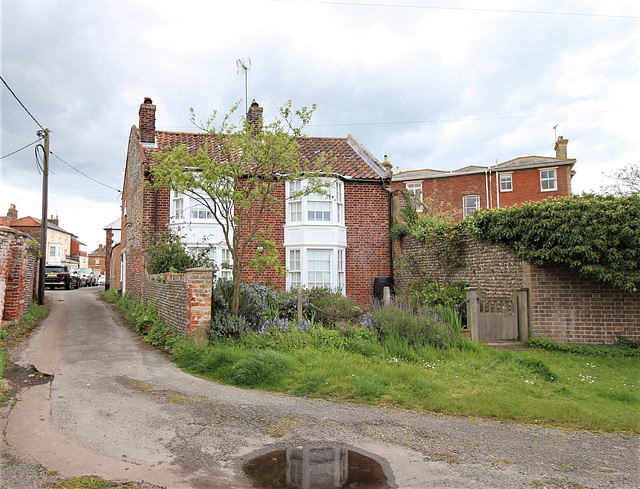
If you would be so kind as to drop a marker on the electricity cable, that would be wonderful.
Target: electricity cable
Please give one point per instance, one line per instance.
(84, 174)
(18, 150)
(20, 102)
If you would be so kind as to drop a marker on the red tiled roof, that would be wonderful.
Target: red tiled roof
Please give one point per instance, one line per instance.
(345, 156)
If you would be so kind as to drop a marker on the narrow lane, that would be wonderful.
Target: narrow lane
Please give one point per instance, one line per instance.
(119, 409)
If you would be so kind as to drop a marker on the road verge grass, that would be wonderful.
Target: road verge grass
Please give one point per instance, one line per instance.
(396, 366)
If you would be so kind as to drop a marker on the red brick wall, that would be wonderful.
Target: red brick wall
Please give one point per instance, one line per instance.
(183, 299)
(566, 308)
(275, 219)
(526, 187)
(145, 216)
(18, 273)
(447, 192)
(367, 255)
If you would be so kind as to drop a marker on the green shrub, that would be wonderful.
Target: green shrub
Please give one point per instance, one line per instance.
(419, 329)
(261, 368)
(598, 236)
(171, 255)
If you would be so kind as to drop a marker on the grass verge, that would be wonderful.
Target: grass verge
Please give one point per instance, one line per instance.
(17, 333)
(531, 387)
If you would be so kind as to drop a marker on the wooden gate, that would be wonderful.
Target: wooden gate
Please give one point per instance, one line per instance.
(498, 318)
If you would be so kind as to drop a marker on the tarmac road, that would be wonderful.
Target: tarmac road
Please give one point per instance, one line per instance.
(121, 410)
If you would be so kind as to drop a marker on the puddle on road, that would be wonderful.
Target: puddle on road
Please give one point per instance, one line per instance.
(332, 467)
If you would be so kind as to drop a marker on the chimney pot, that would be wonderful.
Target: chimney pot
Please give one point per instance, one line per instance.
(254, 116)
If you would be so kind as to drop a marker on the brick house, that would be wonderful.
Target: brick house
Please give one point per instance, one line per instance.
(62, 246)
(530, 178)
(342, 242)
(97, 260)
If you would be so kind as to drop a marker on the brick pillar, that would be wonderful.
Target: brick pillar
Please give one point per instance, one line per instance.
(107, 259)
(199, 289)
(17, 291)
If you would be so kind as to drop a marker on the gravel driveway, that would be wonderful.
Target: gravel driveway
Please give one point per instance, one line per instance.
(119, 409)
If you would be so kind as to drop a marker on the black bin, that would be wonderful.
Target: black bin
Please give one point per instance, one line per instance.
(378, 287)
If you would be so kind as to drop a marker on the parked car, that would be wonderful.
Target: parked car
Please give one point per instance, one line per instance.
(60, 276)
(81, 280)
(101, 280)
(89, 277)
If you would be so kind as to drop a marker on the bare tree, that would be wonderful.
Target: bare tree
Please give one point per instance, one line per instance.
(625, 181)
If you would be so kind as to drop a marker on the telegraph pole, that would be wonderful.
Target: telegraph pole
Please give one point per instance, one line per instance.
(43, 229)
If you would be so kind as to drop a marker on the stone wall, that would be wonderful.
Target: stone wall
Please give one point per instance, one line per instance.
(562, 306)
(18, 273)
(183, 299)
(491, 268)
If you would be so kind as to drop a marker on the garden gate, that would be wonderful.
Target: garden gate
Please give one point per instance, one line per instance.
(498, 318)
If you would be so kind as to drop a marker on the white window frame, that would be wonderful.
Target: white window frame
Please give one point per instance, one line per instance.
(414, 188)
(506, 182)
(225, 258)
(315, 209)
(467, 209)
(546, 179)
(302, 271)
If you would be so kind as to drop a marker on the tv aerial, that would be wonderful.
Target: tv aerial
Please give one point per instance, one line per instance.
(244, 67)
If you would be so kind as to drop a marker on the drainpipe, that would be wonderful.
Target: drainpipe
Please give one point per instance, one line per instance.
(486, 185)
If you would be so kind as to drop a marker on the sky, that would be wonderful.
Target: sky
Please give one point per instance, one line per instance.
(430, 83)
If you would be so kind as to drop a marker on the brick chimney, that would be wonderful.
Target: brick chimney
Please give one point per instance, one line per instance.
(561, 148)
(386, 164)
(254, 116)
(54, 220)
(147, 123)
(12, 213)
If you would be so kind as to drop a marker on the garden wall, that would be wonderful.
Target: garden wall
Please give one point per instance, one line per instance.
(183, 299)
(18, 273)
(562, 306)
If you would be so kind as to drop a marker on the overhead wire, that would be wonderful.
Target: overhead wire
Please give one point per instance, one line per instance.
(468, 119)
(84, 174)
(20, 102)
(18, 150)
(468, 9)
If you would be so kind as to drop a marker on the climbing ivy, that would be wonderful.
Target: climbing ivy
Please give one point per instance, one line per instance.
(598, 236)
(430, 227)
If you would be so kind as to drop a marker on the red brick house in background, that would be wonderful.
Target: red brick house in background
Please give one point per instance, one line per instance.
(97, 260)
(342, 243)
(531, 178)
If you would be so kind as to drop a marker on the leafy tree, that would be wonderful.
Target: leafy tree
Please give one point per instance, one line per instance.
(236, 176)
(598, 236)
(626, 181)
(170, 255)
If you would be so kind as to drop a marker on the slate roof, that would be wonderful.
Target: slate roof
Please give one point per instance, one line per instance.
(352, 160)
